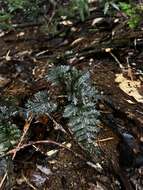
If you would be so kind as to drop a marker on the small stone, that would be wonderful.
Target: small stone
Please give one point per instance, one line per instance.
(3, 81)
(97, 20)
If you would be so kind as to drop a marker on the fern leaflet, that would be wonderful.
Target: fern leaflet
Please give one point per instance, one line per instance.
(41, 104)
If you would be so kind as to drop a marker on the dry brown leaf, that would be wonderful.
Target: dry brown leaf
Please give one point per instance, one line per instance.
(3, 81)
(130, 87)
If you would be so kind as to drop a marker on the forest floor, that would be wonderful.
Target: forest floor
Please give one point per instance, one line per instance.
(113, 54)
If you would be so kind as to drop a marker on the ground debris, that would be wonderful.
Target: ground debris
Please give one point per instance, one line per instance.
(26, 55)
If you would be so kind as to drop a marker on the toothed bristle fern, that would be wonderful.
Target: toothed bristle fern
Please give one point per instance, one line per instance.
(81, 108)
(83, 122)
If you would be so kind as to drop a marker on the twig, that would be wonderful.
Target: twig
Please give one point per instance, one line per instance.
(46, 142)
(50, 20)
(89, 163)
(58, 126)
(129, 70)
(42, 142)
(25, 25)
(117, 60)
(104, 140)
(3, 179)
(27, 181)
(25, 129)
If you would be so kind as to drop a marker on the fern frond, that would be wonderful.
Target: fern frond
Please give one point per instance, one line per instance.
(84, 124)
(9, 135)
(56, 75)
(81, 109)
(4, 113)
(8, 108)
(41, 103)
(83, 91)
(77, 84)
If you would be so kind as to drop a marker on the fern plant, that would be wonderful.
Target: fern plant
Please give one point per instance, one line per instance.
(9, 132)
(81, 108)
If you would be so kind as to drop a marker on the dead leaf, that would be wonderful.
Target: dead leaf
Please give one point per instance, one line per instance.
(3, 81)
(77, 41)
(129, 87)
(44, 170)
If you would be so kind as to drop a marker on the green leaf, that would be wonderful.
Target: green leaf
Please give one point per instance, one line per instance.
(9, 136)
(106, 7)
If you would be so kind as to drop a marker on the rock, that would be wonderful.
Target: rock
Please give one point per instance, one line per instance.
(3, 81)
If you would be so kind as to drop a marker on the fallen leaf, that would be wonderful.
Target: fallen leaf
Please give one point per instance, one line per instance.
(130, 87)
(44, 170)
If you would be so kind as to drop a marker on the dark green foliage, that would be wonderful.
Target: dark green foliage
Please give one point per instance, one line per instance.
(133, 12)
(41, 103)
(81, 108)
(4, 20)
(3, 166)
(56, 75)
(25, 10)
(6, 112)
(83, 8)
(9, 133)
(8, 108)
(76, 7)
(30, 9)
(76, 83)
(36, 10)
(83, 122)
(15, 4)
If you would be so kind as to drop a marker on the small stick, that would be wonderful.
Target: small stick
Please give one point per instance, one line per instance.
(25, 129)
(108, 50)
(56, 124)
(55, 143)
(28, 183)
(42, 142)
(117, 60)
(3, 180)
(104, 140)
